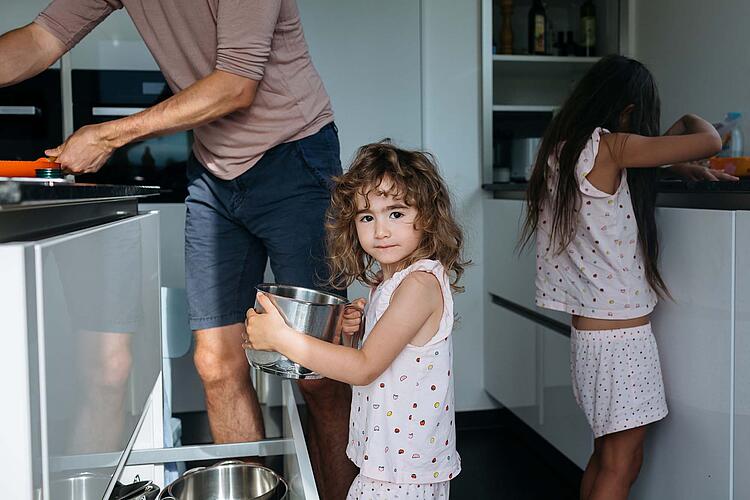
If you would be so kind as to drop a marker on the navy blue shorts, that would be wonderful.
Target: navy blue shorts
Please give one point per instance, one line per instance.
(273, 211)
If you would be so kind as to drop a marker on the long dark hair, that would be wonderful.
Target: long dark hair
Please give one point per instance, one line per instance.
(599, 99)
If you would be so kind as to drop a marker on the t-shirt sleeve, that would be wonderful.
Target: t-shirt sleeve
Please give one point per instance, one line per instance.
(70, 20)
(586, 164)
(245, 31)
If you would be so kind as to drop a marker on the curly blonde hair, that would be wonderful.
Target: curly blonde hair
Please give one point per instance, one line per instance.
(415, 180)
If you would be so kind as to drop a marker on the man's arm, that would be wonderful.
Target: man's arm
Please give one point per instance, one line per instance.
(26, 52)
(212, 97)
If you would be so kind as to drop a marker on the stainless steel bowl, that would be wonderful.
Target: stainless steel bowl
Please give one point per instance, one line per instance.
(311, 312)
(231, 480)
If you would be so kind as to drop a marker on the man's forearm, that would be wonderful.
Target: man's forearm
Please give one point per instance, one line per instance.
(206, 100)
(26, 52)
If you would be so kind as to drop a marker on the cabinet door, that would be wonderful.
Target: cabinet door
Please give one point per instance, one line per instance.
(563, 423)
(99, 341)
(742, 359)
(509, 275)
(510, 353)
(687, 454)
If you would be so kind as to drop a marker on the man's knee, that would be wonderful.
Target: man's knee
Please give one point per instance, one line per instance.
(215, 368)
(116, 371)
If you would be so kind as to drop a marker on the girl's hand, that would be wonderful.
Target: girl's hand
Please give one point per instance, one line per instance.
(353, 316)
(696, 172)
(263, 330)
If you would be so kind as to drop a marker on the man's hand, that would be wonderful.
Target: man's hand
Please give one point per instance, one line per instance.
(84, 152)
(697, 172)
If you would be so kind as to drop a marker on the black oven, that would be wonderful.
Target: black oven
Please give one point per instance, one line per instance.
(103, 95)
(31, 117)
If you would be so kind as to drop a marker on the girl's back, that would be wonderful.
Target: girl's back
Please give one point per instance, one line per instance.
(600, 273)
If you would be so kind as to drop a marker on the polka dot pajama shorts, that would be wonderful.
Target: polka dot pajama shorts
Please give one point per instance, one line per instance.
(617, 378)
(365, 488)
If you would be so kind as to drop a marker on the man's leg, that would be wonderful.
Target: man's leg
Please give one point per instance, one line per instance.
(233, 411)
(328, 404)
(291, 192)
(223, 264)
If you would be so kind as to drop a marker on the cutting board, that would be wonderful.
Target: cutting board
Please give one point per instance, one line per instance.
(14, 168)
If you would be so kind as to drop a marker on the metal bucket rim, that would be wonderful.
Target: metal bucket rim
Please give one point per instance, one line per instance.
(166, 493)
(343, 300)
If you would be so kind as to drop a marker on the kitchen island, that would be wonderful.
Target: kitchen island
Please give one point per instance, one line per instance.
(80, 298)
(700, 449)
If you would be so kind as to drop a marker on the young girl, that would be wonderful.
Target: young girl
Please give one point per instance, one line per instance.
(591, 204)
(390, 226)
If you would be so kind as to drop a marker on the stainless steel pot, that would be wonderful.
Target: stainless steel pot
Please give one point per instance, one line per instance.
(90, 486)
(231, 480)
(84, 486)
(310, 312)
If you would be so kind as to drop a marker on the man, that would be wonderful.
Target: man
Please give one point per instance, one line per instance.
(265, 150)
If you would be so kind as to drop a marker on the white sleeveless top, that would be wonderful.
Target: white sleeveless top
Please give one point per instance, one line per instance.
(601, 274)
(402, 426)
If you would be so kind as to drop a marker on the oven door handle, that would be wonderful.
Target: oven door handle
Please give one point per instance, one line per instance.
(114, 111)
(19, 110)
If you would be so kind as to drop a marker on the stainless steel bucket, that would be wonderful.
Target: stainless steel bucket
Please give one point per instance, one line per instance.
(231, 480)
(310, 312)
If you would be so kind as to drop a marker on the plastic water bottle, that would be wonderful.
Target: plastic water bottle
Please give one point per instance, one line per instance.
(731, 135)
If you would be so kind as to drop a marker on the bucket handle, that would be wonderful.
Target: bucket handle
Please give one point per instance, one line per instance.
(354, 340)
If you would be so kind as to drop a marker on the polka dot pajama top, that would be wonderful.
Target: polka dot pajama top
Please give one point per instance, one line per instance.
(601, 273)
(402, 424)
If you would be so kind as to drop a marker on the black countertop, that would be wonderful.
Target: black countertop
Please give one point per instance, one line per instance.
(672, 193)
(34, 209)
(18, 192)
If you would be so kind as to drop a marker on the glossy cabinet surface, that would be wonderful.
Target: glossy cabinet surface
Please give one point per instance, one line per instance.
(91, 352)
(563, 423)
(742, 357)
(688, 453)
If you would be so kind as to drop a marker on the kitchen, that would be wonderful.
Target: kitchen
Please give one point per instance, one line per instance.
(423, 74)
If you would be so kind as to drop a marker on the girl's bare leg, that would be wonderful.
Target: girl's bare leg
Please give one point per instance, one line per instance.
(620, 458)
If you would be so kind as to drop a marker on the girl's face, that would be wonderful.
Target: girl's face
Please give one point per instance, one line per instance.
(386, 229)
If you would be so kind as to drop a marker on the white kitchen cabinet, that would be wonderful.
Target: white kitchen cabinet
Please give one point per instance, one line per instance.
(82, 309)
(742, 357)
(508, 273)
(527, 369)
(563, 423)
(510, 364)
(688, 454)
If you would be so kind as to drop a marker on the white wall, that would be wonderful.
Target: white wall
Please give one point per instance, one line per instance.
(697, 51)
(451, 130)
(368, 55)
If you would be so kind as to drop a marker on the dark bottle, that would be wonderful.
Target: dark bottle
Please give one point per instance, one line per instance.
(537, 28)
(570, 44)
(588, 28)
(562, 49)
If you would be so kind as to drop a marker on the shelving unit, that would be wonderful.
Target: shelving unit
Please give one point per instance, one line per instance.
(519, 89)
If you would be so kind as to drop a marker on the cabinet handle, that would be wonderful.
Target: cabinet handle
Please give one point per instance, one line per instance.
(19, 110)
(115, 111)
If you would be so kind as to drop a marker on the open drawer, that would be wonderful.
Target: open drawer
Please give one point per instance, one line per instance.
(297, 466)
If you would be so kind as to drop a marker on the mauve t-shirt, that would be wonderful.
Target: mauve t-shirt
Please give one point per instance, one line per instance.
(257, 39)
